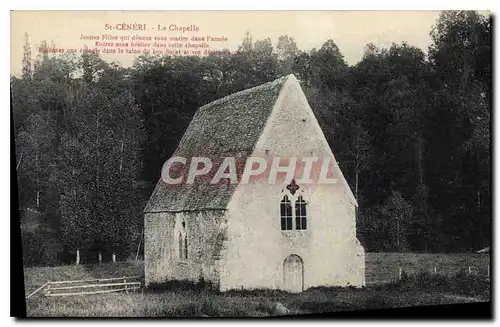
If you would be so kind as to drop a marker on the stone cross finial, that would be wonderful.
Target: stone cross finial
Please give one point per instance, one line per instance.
(292, 187)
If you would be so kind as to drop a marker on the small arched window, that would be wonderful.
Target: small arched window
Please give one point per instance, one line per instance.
(286, 214)
(300, 214)
(183, 245)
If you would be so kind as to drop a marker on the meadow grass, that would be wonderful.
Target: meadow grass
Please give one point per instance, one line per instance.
(233, 304)
(417, 287)
(384, 267)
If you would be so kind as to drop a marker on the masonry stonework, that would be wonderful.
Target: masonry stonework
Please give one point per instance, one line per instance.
(205, 234)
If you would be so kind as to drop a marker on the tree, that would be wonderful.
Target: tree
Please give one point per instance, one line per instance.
(361, 152)
(370, 51)
(398, 214)
(27, 67)
(100, 162)
(35, 160)
(263, 47)
(92, 66)
(287, 51)
(328, 67)
(264, 62)
(461, 48)
(301, 67)
(247, 44)
(461, 58)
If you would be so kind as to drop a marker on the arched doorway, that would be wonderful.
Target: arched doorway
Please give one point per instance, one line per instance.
(293, 274)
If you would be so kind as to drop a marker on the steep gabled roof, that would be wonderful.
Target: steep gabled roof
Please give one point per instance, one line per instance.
(230, 126)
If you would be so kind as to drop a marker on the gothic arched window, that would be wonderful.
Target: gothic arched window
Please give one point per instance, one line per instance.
(286, 214)
(300, 214)
(293, 197)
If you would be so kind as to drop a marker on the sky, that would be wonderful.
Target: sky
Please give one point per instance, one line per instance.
(350, 30)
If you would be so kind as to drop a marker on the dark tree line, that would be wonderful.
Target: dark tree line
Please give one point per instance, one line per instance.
(410, 129)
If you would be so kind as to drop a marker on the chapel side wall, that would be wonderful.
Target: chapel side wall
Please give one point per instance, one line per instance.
(256, 245)
(156, 231)
(162, 258)
(341, 257)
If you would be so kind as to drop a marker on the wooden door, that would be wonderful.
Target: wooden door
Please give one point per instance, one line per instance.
(293, 274)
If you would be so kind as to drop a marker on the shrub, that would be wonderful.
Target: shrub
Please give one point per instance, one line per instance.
(264, 292)
(39, 248)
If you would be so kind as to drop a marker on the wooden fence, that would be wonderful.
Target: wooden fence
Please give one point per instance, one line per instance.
(89, 286)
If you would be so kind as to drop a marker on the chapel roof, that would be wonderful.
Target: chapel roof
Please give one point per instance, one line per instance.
(230, 126)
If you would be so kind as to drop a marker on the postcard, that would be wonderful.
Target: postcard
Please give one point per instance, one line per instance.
(252, 163)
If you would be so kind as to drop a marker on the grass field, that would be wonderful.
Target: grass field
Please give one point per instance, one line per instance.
(380, 268)
(384, 267)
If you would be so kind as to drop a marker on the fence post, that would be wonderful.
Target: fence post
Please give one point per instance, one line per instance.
(469, 270)
(47, 291)
(435, 270)
(125, 282)
(139, 246)
(399, 274)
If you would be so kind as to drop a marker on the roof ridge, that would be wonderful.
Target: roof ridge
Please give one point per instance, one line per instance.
(245, 91)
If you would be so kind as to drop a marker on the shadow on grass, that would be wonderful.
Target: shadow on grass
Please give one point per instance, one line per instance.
(416, 289)
(181, 286)
(202, 299)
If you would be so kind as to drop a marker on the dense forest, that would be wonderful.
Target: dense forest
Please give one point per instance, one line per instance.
(410, 128)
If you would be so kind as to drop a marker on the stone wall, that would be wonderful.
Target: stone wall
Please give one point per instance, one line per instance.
(205, 234)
